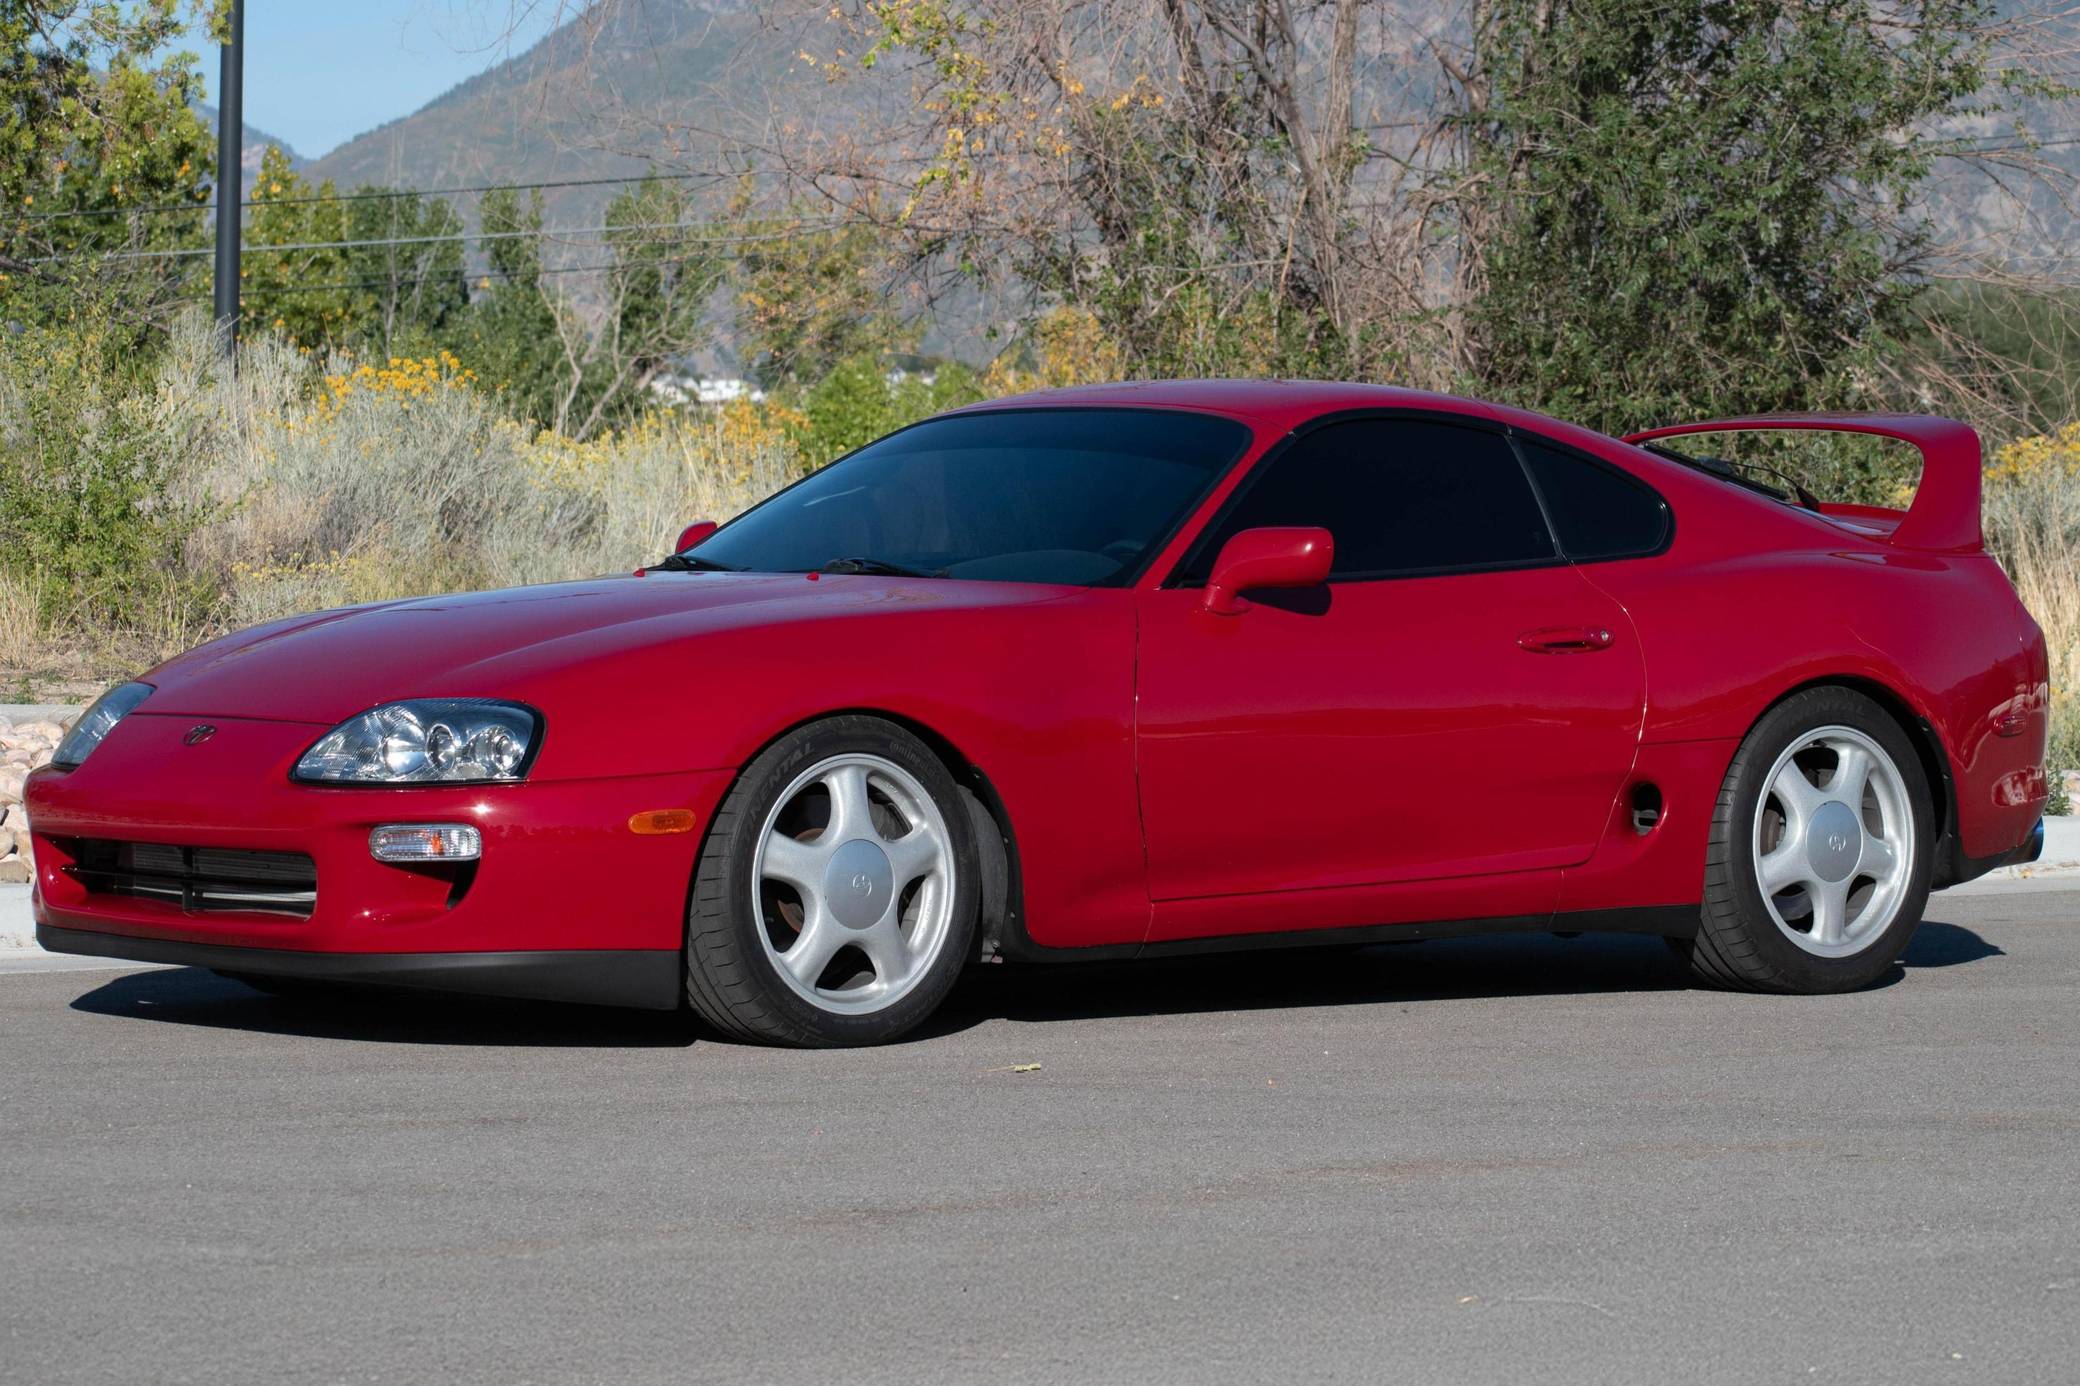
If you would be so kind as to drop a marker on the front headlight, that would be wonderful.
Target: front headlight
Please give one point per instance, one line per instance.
(97, 722)
(427, 741)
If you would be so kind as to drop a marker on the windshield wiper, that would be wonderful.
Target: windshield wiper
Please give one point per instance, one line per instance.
(689, 563)
(880, 567)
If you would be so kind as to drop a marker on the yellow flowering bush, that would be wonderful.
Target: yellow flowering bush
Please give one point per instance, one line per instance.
(2028, 457)
(333, 482)
(1068, 347)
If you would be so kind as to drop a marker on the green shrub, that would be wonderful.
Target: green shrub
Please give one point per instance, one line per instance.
(90, 462)
(861, 399)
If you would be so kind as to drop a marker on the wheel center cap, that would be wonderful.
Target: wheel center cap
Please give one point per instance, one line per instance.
(858, 883)
(1834, 842)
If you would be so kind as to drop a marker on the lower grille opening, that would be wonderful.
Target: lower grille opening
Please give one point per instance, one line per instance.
(201, 880)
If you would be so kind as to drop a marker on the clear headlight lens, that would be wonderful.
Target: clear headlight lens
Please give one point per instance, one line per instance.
(426, 741)
(97, 722)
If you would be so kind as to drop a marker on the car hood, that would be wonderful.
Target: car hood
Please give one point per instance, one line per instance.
(523, 643)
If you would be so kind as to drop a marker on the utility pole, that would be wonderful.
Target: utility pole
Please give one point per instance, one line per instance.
(230, 171)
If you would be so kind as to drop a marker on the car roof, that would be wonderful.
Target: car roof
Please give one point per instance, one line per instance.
(1283, 404)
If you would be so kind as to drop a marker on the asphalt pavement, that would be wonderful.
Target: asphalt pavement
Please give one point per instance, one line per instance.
(1528, 1159)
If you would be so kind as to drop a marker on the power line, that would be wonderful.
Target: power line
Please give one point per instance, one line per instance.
(429, 276)
(384, 195)
(546, 233)
(381, 282)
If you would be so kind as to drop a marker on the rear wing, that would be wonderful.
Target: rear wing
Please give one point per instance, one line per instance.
(1944, 514)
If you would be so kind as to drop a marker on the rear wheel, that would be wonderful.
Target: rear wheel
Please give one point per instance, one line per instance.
(1818, 866)
(835, 899)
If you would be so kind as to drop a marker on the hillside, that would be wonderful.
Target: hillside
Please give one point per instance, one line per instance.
(256, 143)
(657, 81)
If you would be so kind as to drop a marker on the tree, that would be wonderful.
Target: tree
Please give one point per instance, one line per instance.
(579, 364)
(665, 268)
(305, 293)
(809, 297)
(378, 272)
(511, 335)
(1705, 208)
(96, 125)
(1185, 170)
(406, 269)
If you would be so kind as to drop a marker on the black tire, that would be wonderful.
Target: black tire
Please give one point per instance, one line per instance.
(732, 980)
(1739, 946)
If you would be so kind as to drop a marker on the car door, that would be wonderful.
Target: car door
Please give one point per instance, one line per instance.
(1458, 701)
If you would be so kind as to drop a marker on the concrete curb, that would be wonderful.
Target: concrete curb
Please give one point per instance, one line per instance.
(17, 929)
(41, 712)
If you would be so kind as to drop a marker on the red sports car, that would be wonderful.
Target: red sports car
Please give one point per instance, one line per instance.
(1113, 672)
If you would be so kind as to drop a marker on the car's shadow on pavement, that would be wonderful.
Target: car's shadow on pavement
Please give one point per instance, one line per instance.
(1433, 970)
(1946, 945)
(1296, 979)
(1308, 978)
(193, 996)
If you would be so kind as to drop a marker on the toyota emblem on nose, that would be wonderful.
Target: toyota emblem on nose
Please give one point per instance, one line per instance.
(199, 733)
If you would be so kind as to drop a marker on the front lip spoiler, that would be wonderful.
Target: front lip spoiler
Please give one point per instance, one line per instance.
(644, 978)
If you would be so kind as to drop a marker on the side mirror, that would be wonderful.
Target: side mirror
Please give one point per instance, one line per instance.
(1293, 556)
(694, 533)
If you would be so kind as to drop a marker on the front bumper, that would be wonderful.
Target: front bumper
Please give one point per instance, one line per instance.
(641, 977)
(561, 871)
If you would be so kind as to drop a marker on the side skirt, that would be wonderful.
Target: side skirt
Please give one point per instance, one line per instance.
(1670, 921)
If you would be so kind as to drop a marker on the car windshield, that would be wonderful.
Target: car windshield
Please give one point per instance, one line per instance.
(1074, 496)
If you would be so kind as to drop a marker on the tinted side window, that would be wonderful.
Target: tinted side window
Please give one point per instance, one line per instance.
(1598, 512)
(1400, 496)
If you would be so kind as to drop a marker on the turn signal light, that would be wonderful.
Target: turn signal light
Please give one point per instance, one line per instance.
(658, 822)
(425, 842)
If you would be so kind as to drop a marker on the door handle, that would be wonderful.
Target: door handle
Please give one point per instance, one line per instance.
(1566, 640)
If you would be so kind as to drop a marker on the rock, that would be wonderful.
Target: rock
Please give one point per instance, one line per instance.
(20, 836)
(13, 871)
(11, 786)
(42, 731)
(12, 816)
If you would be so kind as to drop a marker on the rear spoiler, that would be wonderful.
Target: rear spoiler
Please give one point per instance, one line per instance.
(1944, 514)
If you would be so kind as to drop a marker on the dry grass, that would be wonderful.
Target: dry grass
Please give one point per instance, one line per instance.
(22, 634)
(2033, 523)
(343, 482)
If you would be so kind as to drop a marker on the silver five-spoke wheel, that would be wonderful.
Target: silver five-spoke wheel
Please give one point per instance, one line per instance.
(854, 880)
(1834, 841)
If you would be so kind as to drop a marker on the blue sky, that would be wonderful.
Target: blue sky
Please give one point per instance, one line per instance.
(319, 74)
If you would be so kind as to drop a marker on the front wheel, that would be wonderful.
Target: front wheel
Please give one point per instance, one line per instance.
(835, 899)
(1820, 852)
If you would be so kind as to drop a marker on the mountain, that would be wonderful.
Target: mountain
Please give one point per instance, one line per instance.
(255, 144)
(604, 95)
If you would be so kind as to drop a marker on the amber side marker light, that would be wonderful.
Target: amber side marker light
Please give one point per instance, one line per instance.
(658, 822)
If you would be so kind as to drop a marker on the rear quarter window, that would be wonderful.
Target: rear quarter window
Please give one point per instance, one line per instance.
(1598, 512)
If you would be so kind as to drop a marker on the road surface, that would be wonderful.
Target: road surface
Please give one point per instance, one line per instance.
(1518, 1159)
